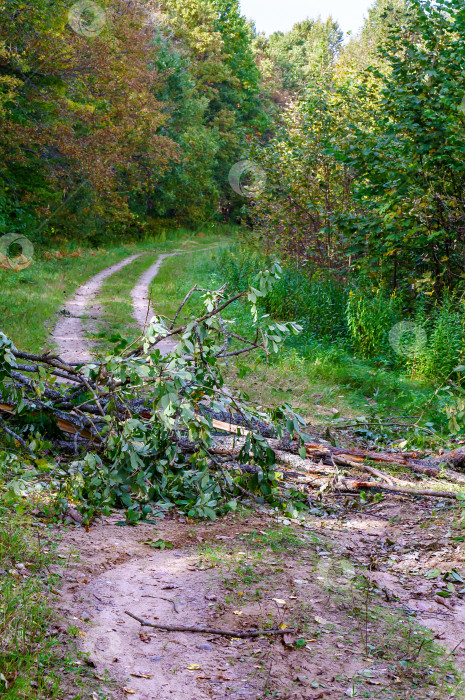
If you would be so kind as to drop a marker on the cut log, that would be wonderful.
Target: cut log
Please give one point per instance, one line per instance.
(455, 459)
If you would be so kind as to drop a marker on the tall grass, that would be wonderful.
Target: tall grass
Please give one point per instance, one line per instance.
(370, 314)
(357, 315)
(315, 299)
(445, 347)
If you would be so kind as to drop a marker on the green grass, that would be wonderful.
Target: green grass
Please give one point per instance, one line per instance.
(36, 661)
(320, 379)
(31, 298)
(317, 377)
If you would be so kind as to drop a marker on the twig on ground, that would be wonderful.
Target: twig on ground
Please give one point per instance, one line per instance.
(168, 600)
(242, 634)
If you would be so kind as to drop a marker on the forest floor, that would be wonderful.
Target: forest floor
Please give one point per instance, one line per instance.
(353, 580)
(357, 581)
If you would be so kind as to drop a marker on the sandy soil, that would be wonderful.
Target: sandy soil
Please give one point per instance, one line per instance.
(140, 295)
(213, 576)
(78, 315)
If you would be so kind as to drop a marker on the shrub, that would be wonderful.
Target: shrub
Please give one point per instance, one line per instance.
(445, 348)
(316, 299)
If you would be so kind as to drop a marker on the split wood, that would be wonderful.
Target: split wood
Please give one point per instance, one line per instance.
(243, 634)
(351, 485)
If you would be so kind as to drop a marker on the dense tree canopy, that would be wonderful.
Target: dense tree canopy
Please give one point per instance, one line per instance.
(118, 114)
(366, 166)
(131, 118)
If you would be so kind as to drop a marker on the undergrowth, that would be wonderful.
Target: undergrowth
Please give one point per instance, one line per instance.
(323, 376)
(360, 316)
(35, 661)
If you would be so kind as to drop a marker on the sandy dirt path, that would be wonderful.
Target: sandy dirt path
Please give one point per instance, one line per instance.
(80, 313)
(118, 571)
(140, 296)
(213, 576)
(69, 333)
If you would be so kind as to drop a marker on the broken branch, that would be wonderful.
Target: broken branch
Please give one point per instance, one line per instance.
(242, 634)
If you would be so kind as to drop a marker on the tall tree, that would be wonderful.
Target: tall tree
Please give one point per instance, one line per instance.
(80, 116)
(409, 164)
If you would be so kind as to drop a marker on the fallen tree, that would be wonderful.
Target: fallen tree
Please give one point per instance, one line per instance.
(131, 415)
(144, 429)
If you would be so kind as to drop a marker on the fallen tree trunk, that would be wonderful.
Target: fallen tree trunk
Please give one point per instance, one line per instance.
(356, 456)
(455, 459)
(65, 424)
(352, 485)
(352, 457)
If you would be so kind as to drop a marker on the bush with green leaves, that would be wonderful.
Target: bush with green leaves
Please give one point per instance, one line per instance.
(371, 313)
(150, 415)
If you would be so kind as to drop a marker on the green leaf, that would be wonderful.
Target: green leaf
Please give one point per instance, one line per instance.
(432, 573)
(160, 544)
(454, 576)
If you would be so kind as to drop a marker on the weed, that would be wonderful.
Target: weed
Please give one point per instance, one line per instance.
(279, 540)
(35, 661)
(320, 375)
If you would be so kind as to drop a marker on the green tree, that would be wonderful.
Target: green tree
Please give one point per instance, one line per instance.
(409, 163)
(79, 118)
(308, 49)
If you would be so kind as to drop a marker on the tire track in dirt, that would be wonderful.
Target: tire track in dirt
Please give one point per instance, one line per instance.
(69, 332)
(140, 295)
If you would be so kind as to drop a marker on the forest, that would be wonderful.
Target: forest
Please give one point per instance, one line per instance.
(232, 352)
